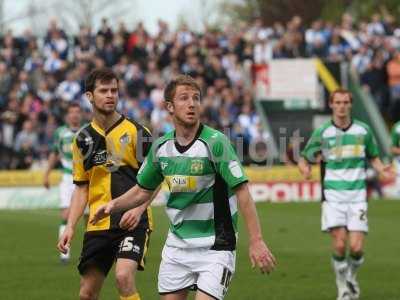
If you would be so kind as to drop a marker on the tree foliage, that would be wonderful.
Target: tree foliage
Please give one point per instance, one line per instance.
(271, 11)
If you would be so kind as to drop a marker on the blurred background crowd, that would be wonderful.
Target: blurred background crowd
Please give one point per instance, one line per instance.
(39, 76)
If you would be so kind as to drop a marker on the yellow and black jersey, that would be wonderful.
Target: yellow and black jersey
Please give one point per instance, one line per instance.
(108, 161)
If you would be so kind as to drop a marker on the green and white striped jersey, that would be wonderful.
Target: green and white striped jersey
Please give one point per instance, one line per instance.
(344, 159)
(201, 207)
(62, 144)
(395, 134)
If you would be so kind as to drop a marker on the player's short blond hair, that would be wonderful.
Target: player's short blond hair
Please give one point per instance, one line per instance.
(170, 89)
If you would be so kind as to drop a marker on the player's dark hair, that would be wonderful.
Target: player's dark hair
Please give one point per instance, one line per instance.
(73, 105)
(102, 75)
(170, 89)
(340, 91)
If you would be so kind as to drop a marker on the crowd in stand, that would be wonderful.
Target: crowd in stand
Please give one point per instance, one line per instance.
(40, 76)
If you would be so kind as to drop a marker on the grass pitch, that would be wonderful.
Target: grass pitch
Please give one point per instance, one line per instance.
(30, 268)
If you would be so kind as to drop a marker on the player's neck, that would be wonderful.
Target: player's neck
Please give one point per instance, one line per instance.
(74, 127)
(184, 134)
(342, 122)
(105, 121)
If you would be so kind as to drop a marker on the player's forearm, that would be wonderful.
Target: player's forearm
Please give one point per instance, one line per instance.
(146, 204)
(134, 197)
(53, 157)
(377, 164)
(304, 166)
(303, 163)
(249, 213)
(78, 204)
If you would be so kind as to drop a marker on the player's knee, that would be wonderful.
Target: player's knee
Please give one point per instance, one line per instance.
(340, 246)
(124, 280)
(85, 294)
(356, 248)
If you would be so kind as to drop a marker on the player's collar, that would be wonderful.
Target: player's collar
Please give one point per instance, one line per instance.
(101, 130)
(182, 149)
(341, 128)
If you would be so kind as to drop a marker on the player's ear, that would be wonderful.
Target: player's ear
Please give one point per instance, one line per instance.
(89, 95)
(169, 106)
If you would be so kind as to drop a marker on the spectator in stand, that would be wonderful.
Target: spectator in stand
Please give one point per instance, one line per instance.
(393, 71)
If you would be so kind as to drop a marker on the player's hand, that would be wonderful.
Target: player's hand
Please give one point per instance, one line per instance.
(102, 212)
(388, 173)
(305, 170)
(64, 242)
(130, 219)
(261, 256)
(46, 181)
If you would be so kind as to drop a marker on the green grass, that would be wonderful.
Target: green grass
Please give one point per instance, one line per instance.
(29, 266)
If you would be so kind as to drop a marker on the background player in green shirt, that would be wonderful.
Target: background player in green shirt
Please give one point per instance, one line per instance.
(62, 151)
(207, 185)
(395, 134)
(343, 146)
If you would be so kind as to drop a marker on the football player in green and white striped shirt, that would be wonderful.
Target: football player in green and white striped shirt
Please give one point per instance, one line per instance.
(344, 146)
(207, 187)
(62, 150)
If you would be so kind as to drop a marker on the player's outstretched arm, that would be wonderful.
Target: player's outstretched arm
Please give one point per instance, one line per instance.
(386, 171)
(259, 253)
(134, 197)
(131, 218)
(78, 204)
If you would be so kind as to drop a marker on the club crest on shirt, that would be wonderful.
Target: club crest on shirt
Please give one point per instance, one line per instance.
(125, 139)
(196, 166)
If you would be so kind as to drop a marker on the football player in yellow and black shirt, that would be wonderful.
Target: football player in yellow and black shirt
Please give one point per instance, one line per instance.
(106, 158)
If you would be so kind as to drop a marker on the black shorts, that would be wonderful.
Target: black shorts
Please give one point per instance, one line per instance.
(101, 248)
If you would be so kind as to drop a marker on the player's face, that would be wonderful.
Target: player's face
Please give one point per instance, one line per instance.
(185, 106)
(341, 105)
(104, 97)
(74, 117)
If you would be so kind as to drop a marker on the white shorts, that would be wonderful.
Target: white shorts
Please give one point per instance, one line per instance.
(207, 270)
(66, 188)
(353, 216)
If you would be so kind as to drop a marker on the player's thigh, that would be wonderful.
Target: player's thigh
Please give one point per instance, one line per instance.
(91, 282)
(333, 215)
(215, 273)
(357, 215)
(179, 295)
(338, 233)
(175, 276)
(200, 295)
